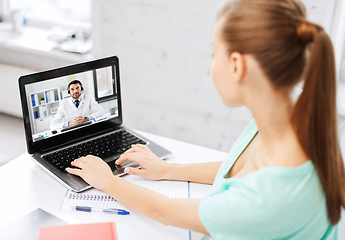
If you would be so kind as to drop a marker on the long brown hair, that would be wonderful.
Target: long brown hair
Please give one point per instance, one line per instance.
(289, 48)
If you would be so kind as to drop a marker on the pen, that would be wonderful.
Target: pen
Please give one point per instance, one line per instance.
(105, 210)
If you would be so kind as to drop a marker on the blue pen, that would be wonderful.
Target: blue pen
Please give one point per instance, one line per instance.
(105, 210)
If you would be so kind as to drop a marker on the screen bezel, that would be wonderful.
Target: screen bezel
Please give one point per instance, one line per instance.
(77, 134)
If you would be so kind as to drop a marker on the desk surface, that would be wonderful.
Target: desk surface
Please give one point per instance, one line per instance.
(23, 184)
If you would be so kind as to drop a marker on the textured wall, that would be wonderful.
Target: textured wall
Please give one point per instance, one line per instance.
(165, 60)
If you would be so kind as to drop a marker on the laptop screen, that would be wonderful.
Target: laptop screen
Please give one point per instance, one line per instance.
(59, 102)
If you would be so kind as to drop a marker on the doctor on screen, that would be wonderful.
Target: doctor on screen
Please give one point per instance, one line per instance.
(76, 110)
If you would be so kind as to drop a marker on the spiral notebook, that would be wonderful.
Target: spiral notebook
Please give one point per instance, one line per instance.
(133, 226)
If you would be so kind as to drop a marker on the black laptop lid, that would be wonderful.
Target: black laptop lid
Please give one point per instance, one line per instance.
(43, 93)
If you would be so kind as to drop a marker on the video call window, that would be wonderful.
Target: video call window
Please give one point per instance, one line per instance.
(51, 105)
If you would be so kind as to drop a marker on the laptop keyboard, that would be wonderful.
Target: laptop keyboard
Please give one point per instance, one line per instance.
(103, 147)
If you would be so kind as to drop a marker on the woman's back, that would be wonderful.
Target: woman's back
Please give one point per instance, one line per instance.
(262, 49)
(270, 203)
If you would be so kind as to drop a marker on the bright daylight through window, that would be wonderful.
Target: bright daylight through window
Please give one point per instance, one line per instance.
(54, 10)
(64, 25)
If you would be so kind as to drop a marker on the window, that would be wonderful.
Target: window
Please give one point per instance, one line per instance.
(104, 82)
(76, 13)
(63, 25)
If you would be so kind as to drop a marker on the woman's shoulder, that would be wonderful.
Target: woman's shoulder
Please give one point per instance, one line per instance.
(282, 184)
(279, 200)
(275, 185)
(276, 190)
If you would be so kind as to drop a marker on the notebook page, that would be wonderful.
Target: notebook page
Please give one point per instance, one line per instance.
(133, 226)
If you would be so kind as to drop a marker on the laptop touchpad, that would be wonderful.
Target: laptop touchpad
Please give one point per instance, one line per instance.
(119, 169)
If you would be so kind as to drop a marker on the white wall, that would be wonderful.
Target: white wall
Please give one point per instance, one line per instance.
(164, 49)
(165, 60)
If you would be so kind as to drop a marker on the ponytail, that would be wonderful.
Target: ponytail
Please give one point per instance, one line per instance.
(278, 36)
(315, 117)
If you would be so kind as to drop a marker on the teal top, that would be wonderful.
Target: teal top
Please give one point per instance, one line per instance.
(270, 203)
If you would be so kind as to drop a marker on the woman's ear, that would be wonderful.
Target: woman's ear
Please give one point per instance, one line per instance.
(237, 66)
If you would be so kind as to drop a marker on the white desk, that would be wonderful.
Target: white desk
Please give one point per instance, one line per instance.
(24, 185)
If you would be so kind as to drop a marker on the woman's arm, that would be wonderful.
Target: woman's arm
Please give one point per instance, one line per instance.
(175, 212)
(197, 172)
(156, 169)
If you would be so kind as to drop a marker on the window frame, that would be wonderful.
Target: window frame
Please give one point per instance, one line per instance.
(109, 97)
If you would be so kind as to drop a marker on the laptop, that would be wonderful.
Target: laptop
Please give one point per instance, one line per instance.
(47, 105)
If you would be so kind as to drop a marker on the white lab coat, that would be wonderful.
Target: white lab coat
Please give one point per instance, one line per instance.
(67, 111)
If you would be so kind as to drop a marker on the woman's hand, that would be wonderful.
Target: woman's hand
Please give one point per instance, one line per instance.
(153, 167)
(93, 170)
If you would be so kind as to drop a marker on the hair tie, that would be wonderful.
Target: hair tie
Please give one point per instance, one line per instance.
(306, 31)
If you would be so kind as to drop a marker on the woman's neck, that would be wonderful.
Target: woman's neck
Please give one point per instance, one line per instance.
(272, 113)
(278, 143)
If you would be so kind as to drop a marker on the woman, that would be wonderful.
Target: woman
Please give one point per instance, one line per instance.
(284, 177)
